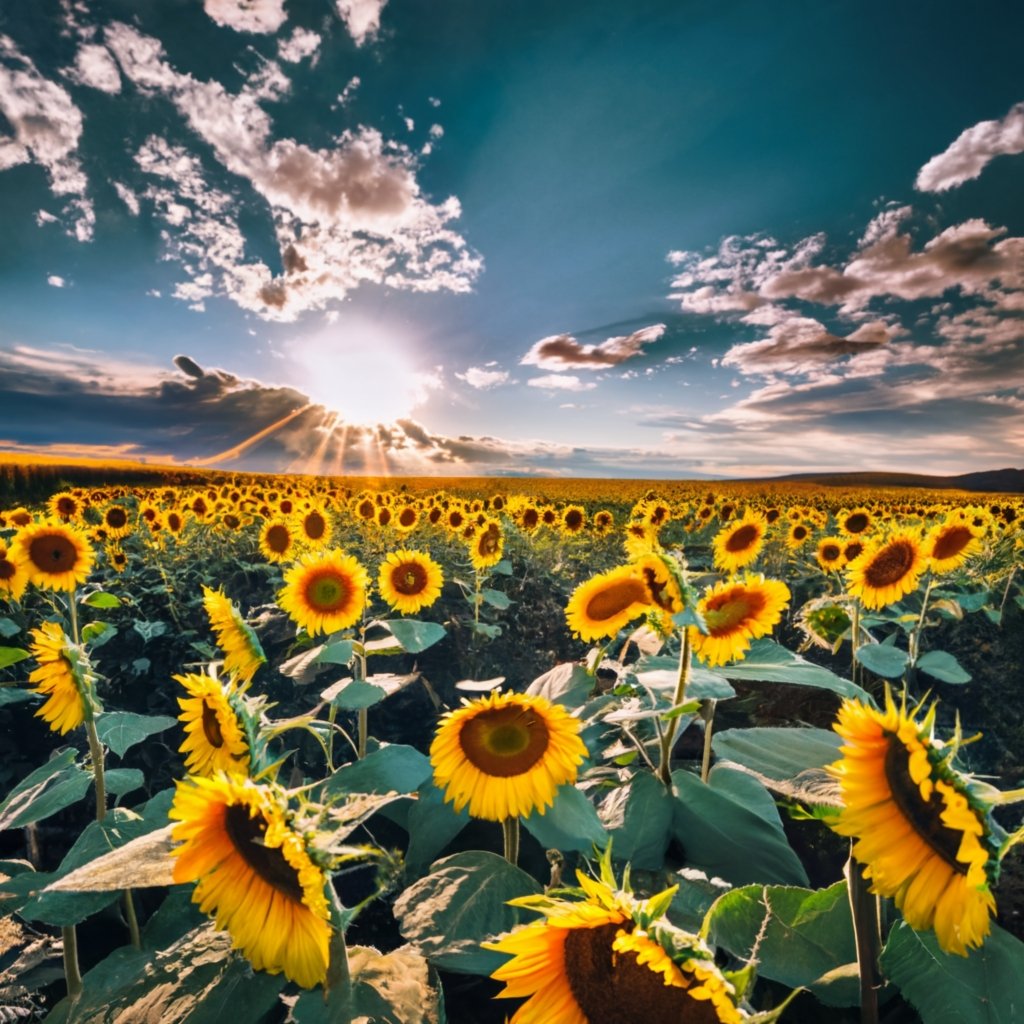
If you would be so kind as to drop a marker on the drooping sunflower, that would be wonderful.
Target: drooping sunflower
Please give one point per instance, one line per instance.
(949, 544)
(739, 543)
(605, 959)
(324, 591)
(921, 836)
(215, 738)
(607, 602)
(63, 676)
(13, 573)
(487, 545)
(505, 755)
(409, 581)
(253, 873)
(737, 612)
(887, 569)
(277, 542)
(57, 557)
(243, 653)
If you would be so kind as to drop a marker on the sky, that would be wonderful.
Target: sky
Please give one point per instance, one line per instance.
(666, 239)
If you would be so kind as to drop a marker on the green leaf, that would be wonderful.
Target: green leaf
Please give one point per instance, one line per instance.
(496, 599)
(121, 730)
(492, 632)
(393, 767)
(972, 602)
(149, 630)
(502, 568)
(96, 634)
(415, 636)
(800, 935)
(12, 655)
(767, 661)
(943, 666)
(9, 628)
(702, 685)
(778, 753)
(461, 903)
(339, 653)
(883, 660)
(638, 817)
(100, 599)
(567, 683)
(15, 695)
(432, 825)
(123, 780)
(49, 789)
(984, 987)
(571, 823)
(723, 836)
(357, 694)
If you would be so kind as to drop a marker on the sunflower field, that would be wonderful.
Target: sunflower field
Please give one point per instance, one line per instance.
(309, 750)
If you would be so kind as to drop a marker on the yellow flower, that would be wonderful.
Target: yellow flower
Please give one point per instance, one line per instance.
(855, 523)
(277, 542)
(737, 612)
(887, 569)
(116, 521)
(214, 737)
(505, 755)
(487, 544)
(57, 557)
(604, 604)
(65, 505)
(922, 840)
(830, 553)
(951, 543)
(739, 543)
(574, 519)
(243, 654)
(314, 528)
(410, 581)
(253, 872)
(325, 591)
(13, 573)
(63, 677)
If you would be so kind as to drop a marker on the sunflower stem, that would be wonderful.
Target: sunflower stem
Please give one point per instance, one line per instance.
(668, 737)
(1006, 591)
(332, 714)
(339, 976)
(855, 643)
(707, 713)
(867, 937)
(73, 612)
(72, 972)
(914, 643)
(132, 919)
(98, 775)
(363, 715)
(510, 833)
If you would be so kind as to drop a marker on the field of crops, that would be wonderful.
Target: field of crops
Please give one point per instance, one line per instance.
(308, 750)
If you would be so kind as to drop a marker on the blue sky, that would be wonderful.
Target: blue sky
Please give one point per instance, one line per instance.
(586, 238)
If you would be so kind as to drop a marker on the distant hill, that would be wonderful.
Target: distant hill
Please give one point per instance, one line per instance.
(1000, 481)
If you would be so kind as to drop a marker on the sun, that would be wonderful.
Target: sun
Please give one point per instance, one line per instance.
(364, 375)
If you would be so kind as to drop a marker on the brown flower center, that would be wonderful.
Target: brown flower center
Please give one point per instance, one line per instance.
(830, 552)
(66, 507)
(573, 520)
(407, 517)
(53, 553)
(609, 601)
(925, 816)
(116, 518)
(853, 550)
(613, 988)
(246, 834)
(726, 612)
(890, 565)
(315, 525)
(384, 516)
(530, 518)
(409, 578)
(951, 542)
(504, 741)
(490, 541)
(366, 509)
(8, 570)
(211, 726)
(327, 590)
(856, 523)
(799, 532)
(278, 538)
(743, 538)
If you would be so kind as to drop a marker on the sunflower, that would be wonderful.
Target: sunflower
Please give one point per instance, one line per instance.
(487, 545)
(737, 612)
(66, 506)
(922, 838)
(739, 544)
(407, 518)
(505, 755)
(604, 522)
(363, 508)
(64, 676)
(951, 543)
(243, 653)
(607, 958)
(604, 604)
(276, 540)
(215, 737)
(116, 521)
(409, 581)
(640, 539)
(13, 572)
(574, 519)
(313, 527)
(57, 557)
(324, 591)
(797, 535)
(175, 521)
(887, 569)
(253, 872)
(830, 553)
(854, 523)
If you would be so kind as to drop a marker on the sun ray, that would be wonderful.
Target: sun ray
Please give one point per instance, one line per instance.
(242, 447)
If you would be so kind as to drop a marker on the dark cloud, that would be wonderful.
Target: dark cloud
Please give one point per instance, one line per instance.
(564, 352)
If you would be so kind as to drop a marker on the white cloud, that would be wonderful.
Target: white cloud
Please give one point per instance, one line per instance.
(564, 352)
(560, 382)
(361, 17)
(482, 378)
(300, 44)
(259, 16)
(95, 67)
(56, 281)
(967, 156)
(128, 197)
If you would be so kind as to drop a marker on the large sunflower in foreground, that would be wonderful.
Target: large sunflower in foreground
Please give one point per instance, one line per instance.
(923, 840)
(214, 737)
(409, 581)
(887, 569)
(63, 677)
(739, 543)
(325, 591)
(505, 755)
(13, 573)
(604, 604)
(600, 960)
(253, 872)
(57, 557)
(737, 612)
(243, 653)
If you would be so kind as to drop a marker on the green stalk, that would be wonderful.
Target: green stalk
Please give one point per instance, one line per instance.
(510, 833)
(72, 972)
(867, 937)
(707, 712)
(363, 715)
(914, 643)
(668, 737)
(339, 975)
(855, 643)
